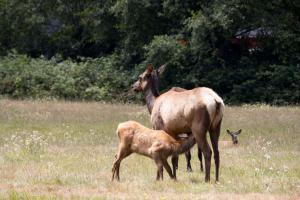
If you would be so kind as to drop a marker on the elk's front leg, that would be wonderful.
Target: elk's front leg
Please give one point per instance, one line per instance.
(188, 160)
(200, 158)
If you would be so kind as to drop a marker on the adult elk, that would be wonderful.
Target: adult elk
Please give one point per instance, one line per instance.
(193, 111)
(156, 144)
(187, 154)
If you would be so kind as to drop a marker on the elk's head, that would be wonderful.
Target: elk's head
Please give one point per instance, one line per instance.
(234, 135)
(148, 79)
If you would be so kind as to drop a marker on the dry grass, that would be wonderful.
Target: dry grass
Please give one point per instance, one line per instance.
(51, 150)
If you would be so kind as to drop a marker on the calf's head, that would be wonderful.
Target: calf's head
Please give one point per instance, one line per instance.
(234, 135)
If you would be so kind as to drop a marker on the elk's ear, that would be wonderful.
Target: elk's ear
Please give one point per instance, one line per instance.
(239, 132)
(229, 132)
(161, 69)
(149, 69)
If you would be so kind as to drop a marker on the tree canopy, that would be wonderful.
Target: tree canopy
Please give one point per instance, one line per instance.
(248, 51)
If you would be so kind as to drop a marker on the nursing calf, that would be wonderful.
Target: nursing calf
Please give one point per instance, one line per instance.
(155, 144)
(178, 111)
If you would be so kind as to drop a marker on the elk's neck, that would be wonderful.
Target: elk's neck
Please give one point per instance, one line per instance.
(150, 99)
(151, 93)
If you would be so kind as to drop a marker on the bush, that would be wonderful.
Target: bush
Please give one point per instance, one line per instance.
(104, 79)
(89, 79)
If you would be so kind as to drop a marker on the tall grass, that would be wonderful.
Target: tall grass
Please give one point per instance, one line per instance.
(52, 150)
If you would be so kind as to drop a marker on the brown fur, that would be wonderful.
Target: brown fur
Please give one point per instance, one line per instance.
(188, 155)
(155, 144)
(193, 111)
(177, 89)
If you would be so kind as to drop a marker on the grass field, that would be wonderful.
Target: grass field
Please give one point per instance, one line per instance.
(57, 150)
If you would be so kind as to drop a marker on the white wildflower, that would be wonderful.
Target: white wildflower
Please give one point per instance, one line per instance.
(267, 156)
(285, 168)
(12, 137)
(27, 141)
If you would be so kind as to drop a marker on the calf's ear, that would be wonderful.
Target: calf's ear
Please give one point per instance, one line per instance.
(239, 132)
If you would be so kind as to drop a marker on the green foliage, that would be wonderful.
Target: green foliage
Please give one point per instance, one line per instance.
(57, 27)
(274, 84)
(104, 44)
(163, 49)
(138, 22)
(90, 79)
(168, 49)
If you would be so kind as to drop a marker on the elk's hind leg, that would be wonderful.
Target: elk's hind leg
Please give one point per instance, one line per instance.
(199, 128)
(203, 144)
(122, 153)
(214, 138)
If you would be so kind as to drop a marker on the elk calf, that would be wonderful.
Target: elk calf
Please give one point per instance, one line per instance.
(155, 144)
(234, 135)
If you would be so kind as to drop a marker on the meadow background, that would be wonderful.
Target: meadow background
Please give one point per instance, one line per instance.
(59, 149)
(61, 59)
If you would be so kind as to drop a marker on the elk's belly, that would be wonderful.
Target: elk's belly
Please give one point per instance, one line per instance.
(171, 123)
(172, 114)
(177, 126)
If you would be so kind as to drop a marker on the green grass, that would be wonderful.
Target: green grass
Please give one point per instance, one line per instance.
(55, 150)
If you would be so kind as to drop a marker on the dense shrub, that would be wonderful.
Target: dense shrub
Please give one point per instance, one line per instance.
(90, 79)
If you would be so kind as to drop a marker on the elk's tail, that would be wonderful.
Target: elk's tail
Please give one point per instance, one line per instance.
(219, 109)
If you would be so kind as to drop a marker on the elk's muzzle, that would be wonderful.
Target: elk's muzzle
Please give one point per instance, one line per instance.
(136, 87)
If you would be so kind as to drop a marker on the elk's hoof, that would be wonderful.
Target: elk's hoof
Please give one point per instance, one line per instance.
(189, 169)
(201, 168)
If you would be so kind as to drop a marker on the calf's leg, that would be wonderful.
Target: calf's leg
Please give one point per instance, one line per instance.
(168, 168)
(174, 165)
(122, 153)
(159, 164)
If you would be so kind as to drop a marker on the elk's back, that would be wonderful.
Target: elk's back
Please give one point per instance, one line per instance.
(175, 112)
